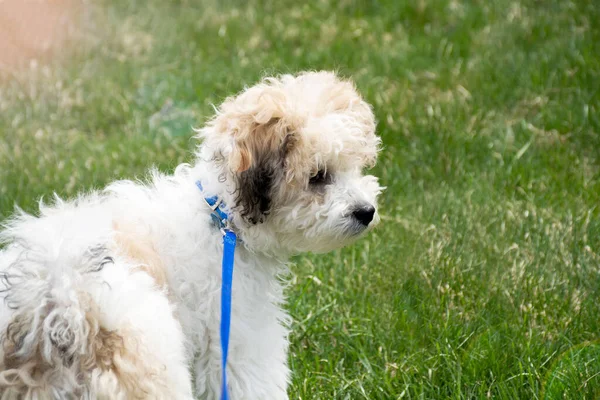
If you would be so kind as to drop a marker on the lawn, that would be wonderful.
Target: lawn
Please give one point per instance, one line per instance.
(483, 279)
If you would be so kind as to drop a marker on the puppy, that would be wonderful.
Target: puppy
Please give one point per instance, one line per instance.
(116, 294)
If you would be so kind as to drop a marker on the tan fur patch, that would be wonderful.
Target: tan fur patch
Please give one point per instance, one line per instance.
(259, 128)
(139, 248)
(102, 345)
(120, 354)
(28, 373)
(261, 139)
(15, 332)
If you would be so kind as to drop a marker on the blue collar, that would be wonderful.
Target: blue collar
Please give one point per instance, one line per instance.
(221, 219)
(216, 204)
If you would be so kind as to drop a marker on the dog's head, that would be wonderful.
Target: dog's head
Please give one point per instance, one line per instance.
(292, 151)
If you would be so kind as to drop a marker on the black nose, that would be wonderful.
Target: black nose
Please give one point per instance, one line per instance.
(364, 215)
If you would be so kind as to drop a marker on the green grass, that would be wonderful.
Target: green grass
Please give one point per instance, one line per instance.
(483, 280)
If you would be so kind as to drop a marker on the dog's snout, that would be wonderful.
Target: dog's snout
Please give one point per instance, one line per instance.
(364, 214)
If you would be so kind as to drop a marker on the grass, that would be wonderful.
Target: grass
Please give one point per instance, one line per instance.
(483, 279)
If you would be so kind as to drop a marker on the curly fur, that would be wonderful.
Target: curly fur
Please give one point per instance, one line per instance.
(115, 294)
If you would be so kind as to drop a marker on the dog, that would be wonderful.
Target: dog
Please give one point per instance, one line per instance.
(116, 294)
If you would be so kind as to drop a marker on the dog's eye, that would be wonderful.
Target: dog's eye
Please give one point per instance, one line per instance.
(320, 177)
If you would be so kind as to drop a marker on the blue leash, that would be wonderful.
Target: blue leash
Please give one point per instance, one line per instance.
(228, 251)
(221, 219)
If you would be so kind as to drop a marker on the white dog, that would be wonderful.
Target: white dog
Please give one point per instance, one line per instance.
(116, 294)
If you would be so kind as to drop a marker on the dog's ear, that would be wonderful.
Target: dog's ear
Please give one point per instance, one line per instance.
(261, 132)
(255, 188)
(262, 168)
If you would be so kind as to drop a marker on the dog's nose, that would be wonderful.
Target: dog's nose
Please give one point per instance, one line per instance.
(364, 214)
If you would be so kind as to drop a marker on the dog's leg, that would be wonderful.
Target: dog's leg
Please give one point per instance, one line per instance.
(257, 364)
(140, 342)
(261, 378)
